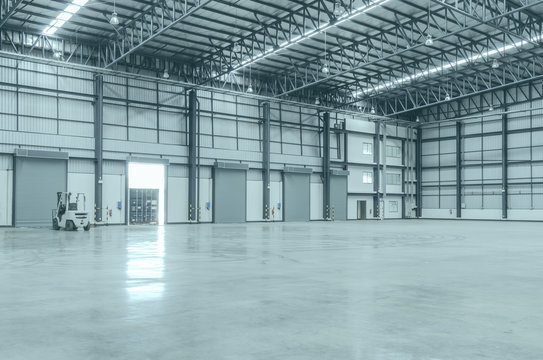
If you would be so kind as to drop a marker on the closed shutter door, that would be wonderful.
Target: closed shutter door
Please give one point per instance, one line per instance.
(37, 181)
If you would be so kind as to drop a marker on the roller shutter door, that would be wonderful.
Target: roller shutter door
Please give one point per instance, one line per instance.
(296, 198)
(37, 181)
(230, 195)
(338, 196)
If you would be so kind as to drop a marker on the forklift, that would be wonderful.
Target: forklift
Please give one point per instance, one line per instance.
(74, 216)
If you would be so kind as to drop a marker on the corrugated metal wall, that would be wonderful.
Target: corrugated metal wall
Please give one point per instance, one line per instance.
(482, 165)
(46, 107)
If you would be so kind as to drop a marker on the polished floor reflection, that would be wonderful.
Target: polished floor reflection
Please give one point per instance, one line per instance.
(397, 290)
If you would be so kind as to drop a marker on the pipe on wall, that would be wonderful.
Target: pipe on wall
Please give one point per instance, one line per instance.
(326, 165)
(98, 143)
(458, 169)
(192, 211)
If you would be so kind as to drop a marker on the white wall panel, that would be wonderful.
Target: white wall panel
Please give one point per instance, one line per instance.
(37, 125)
(75, 128)
(8, 122)
(316, 201)
(172, 121)
(113, 191)
(8, 101)
(115, 114)
(117, 91)
(355, 148)
(175, 138)
(83, 183)
(393, 207)
(79, 110)
(41, 80)
(276, 198)
(255, 200)
(115, 132)
(37, 105)
(354, 181)
(206, 195)
(142, 117)
(6, 189)
(81, 166)
(178, 190)
(142, 135)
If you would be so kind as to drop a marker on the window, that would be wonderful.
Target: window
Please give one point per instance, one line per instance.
(393, 151)
(393, 206)
(367, 148)
(393, 179)
(367, 177)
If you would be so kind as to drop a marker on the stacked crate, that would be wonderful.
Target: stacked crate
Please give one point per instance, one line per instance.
(144, 206)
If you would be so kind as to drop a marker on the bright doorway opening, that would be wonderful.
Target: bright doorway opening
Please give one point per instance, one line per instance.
(143, 176)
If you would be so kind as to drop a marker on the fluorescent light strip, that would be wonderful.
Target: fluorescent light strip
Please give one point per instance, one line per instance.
(309, 34)
(64, 16)
(405, 79)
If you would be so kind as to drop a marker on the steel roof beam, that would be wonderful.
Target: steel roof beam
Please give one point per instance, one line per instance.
(7, 8)
(479, 81)
(409, 35)
(153, 22)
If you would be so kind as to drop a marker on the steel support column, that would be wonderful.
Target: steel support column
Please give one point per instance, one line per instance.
(419, 172)
(385, 175)
(192, 156)
(404, 172)
(326, 165)
(377, 172)
(266, 159)
(98, 143)
(504, 163)
(458, 169)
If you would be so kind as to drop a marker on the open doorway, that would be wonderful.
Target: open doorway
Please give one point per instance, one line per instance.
(146, 187)
(361, 206)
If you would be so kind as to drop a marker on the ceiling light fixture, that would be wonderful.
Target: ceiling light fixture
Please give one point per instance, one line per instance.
(495, 64)
(166, 74)
(250, 89)
(325, 70)
(491, 108)
(417, 120)
(338, 9)
(429, 41)
(114, 20)
(317, 101)
(372, 110)
(64, 16)
(447, 97)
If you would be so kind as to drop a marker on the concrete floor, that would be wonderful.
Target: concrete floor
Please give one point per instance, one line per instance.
(353, 290)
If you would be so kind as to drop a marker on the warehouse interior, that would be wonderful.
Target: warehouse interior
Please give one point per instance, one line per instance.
(256, 179)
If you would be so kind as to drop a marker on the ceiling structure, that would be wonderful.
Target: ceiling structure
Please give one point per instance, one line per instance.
(390, 57)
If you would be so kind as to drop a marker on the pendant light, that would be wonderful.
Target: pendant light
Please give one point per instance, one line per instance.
(325, 69)
(114, 20)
